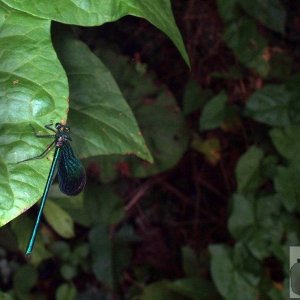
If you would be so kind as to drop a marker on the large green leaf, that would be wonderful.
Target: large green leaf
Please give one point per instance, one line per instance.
(95, 12)
(101, 120)
(33, 89)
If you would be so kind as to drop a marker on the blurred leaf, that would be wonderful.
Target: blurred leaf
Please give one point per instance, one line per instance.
(287, 185)
(95, 13)
(280, 291)
(269, 166)
(232, 119)
(152, 106)
(248, 170)
(190, 261)
(99, 115)
(103, 205)
(270, 105)
(93, 293)
(287, 142)
(61, 250)
(256, 222)
(281, 65)
(33, 89)
(270, 13)
(247, 44)
(82, 250)
(109, 255)
(194, 97)
(159, 291)
(68, 271)
(40, 253)
(233, 73)
(25, 278)
(210, 148)
(22, 228)
(232, 282)
(229, 10)
(8, 240)
(194, 288)
(59, 220)
(73, 205)
(6, 296)
(242, 216)
(214, 112)
(66, 291)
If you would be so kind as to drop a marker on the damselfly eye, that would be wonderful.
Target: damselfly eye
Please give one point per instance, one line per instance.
(58, 125)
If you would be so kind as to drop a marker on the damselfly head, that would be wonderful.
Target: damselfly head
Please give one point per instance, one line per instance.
(63, 132)
(61, 127)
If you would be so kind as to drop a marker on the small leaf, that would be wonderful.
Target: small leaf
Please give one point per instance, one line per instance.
(287, 185)
(194, 288)
(68, 271)
(66, 291)
(6, 296)
(210, 148)
(103, 205)
(25, 278)
(61, 250)
(229, 10)
(248, 173)
(73, 205)
(214, 112)
(287, 142)
(109, 255)
(247, 44)
(257, 223)
(242, 216)
(231, 281)
(194, 97)
(22, 228)
(159, 291)
(270, 13)
(270, 105)
(269, 166)
(190, 262)
(59, 220)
